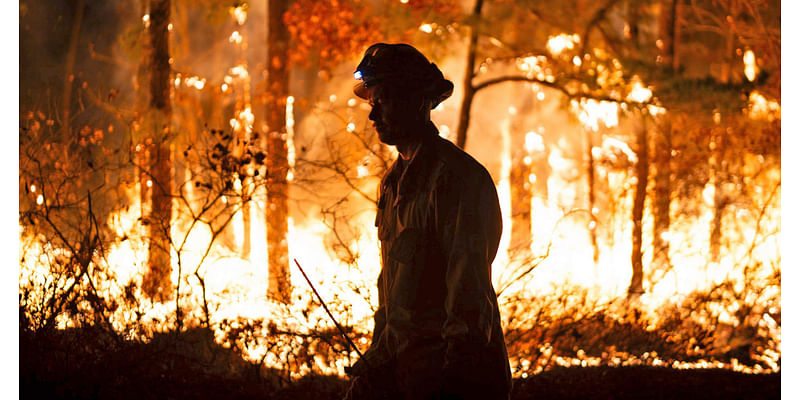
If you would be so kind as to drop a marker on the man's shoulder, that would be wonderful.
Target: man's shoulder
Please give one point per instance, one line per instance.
(456, 163)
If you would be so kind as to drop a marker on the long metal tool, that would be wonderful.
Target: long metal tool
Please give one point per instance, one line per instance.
(341, 330)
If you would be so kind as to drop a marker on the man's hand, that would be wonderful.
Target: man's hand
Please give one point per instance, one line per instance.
(370, 383)
(360, 368)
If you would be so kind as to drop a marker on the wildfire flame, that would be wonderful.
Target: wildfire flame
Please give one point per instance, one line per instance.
(236, 284)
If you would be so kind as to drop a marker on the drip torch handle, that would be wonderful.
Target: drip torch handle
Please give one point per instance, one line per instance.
(324, 306)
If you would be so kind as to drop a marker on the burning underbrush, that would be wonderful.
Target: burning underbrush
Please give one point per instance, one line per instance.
(571, 330)
(88, 327)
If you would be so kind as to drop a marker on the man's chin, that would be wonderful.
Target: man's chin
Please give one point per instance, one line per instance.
(390, 138)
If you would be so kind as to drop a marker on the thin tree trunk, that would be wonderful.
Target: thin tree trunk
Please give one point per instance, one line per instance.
(542, 169)
(157, 280)
(727, 75)
(469, 73)
(520, 208)
(667, 33)
(277, 210)
(642, 166)
(69, 69)
(662, 156)
(662, 153)
(718, 177)
(674, 49)
(142, 106)
(592, 200)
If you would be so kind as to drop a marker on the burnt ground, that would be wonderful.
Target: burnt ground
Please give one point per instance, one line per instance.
(618, 383)
(66, 366)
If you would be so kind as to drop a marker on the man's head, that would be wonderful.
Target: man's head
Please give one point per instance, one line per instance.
(402, 86)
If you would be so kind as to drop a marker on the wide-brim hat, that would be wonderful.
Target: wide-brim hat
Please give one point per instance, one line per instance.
(404, 66)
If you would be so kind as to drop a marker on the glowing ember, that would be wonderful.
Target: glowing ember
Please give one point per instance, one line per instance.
(533, 142)
(639, 93)
(247, 117)
(290, 150)
(592, 112)
(235, 37)
(557, 44)
(195, 82)
(239, 13)
(239, 71)
(750, 67)
(761, 108)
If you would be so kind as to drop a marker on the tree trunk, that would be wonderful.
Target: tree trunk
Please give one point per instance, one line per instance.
(243, 135)
(69, 69)
(642, 166)
(542, 169)
(157, 152)
(277, 209)
(727, 74)
(520, 242)
(469, 73)
(662, 154)
(667, 27)
(718, 176)
(592, 200)
(676, 35)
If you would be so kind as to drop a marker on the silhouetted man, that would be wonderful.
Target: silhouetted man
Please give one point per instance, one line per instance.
(437, 329)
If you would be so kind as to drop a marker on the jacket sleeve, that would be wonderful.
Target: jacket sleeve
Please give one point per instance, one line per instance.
(380, 314)
(469, 226)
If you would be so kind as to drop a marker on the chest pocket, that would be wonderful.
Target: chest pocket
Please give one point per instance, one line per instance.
(407, 247)
(384, 224)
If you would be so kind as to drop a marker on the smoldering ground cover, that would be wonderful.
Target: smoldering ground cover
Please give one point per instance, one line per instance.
(89, 364)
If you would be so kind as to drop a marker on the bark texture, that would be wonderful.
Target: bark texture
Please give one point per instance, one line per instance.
(277, 210)
(69, 69)
(469, 73)
(662, 152)
(520, 208)
(636, 288)
(156, 282)
(592, 197)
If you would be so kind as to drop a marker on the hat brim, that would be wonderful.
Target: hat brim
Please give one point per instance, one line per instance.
(444, 89)
(361, 90)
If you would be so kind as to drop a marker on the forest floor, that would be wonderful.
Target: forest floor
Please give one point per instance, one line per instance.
(80, 365)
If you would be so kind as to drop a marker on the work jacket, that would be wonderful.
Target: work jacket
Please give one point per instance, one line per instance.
(439, 226)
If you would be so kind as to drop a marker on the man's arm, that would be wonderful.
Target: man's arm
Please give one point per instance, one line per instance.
(469, 226)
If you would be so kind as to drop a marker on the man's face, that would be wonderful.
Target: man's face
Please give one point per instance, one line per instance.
(396, 118)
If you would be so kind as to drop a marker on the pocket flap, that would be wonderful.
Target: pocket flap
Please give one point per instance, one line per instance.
(406, 246)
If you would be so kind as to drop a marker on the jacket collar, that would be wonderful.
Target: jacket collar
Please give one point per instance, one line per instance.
(416, 172)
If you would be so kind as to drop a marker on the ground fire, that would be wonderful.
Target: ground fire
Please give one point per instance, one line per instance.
(176, 156)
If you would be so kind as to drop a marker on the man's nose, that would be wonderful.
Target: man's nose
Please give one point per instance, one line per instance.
(374, 114)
